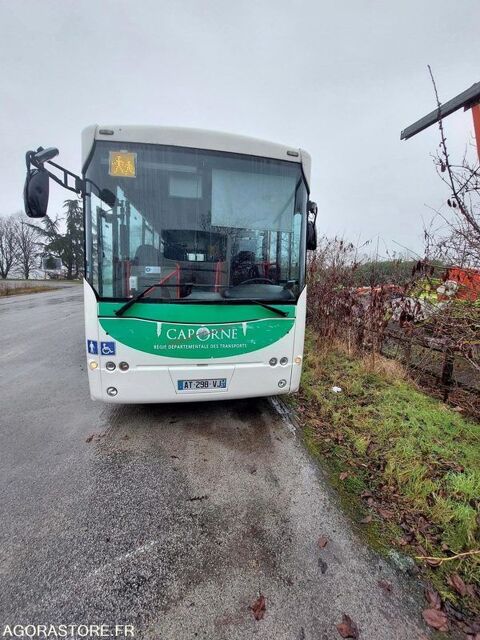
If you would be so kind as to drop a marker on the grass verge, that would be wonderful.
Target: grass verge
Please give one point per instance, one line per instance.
(407, 467)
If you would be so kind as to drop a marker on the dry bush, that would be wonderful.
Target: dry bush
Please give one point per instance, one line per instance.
(330, 274)
(385, 367)
(397, 315)
(338, 308)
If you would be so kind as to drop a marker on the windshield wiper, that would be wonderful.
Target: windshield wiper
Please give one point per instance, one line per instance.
(284, 314)
(119, 312)
(139, 296)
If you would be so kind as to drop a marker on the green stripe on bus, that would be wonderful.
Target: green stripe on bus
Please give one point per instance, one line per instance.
(195, 340)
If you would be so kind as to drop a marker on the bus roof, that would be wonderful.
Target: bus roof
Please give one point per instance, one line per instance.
(195, 139)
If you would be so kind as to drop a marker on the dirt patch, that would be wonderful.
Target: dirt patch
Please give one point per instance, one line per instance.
(17, 291)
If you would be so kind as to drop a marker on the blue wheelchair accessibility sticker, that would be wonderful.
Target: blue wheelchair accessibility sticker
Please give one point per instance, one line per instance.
(107, 348)
(92, 347)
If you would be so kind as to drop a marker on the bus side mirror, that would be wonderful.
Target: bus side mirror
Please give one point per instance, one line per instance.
(311, 236)
(311, 226)
(35, 193)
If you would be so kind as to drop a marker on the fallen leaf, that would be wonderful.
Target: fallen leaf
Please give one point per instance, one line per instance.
(366, 520)
(90, 437)
(258, 607)
(436, 619)
(343, 475)
(422, 524)
(322, 542)
(371, 448)
(472, 592)
(455, 581)
(433, 599)
(386, 513)
(387, 586)
(347, 628)
(433, 562)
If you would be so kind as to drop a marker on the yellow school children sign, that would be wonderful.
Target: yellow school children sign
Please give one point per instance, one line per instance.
(123, 164)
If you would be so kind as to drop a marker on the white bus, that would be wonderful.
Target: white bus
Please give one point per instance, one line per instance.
(195, 260)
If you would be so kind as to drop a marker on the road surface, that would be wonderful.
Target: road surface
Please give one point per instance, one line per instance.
(171, 518)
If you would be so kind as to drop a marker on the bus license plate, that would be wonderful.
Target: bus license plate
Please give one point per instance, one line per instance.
(206, 384)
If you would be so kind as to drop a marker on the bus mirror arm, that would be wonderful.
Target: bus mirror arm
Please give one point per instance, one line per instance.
(38, 158)
(81, 185)
(36, 184)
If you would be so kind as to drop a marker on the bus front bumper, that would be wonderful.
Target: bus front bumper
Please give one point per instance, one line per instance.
(163, 383)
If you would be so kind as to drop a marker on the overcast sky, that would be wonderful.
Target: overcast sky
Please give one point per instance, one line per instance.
(339, 79)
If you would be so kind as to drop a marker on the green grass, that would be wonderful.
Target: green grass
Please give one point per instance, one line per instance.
(417, 457)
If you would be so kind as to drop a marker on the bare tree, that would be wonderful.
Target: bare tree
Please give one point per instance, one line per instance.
(26, 238)
(8, 245)
(458, 239)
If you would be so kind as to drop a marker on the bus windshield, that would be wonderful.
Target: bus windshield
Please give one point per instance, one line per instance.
(194, 224)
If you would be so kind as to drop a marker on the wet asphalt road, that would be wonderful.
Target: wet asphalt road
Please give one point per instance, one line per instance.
(173, 518)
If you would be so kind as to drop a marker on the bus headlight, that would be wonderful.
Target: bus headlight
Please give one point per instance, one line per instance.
(298, 360)
(272, 362)
(282, 383)
(110, 366)
(111, 391)
(283, 360)
(123, 366)
(93, 364)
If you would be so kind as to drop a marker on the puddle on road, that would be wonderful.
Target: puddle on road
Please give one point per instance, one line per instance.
(16, 305)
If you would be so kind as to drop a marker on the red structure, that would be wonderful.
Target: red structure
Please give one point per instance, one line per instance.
(468, 282)
(476, 125)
